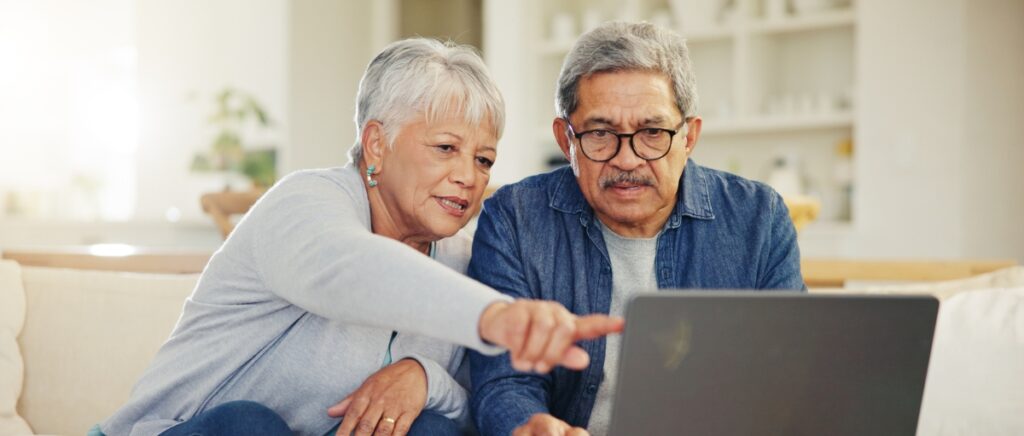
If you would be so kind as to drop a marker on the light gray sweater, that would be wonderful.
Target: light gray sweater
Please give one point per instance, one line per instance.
(295, 311)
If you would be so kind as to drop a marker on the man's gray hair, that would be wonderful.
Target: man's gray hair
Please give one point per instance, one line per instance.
(420, 76)
(621, 46)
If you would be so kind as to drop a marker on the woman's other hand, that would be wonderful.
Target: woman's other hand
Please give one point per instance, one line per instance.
(540, 335)
(386, 404)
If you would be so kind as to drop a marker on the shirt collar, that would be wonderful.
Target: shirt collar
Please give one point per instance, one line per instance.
(694, 200)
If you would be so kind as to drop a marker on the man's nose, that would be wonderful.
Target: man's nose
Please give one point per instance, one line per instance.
(626, 159)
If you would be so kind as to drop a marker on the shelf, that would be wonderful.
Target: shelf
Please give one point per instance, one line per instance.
(767, 124)
(821, 20)
(752, 125)
(712, 34)
(550, 47)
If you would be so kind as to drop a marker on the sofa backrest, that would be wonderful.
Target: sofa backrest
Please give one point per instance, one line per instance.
(12, 318)
(88, 336)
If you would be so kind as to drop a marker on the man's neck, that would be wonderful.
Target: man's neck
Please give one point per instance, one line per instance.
(644, 230)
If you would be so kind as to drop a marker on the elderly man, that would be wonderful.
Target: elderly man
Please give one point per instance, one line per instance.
(632, 214)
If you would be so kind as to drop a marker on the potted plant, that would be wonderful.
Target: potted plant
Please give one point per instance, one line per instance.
(236, 113)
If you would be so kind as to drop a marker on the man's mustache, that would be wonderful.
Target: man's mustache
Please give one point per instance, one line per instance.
(625, 177)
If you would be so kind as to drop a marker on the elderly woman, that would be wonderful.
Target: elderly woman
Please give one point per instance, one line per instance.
(341, 292)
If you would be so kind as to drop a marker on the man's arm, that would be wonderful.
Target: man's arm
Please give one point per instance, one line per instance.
(502, 398)
(782, 254)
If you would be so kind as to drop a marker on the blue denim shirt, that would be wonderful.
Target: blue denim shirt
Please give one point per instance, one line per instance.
(538, 239)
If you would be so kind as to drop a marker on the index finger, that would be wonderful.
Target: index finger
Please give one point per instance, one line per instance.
(595, 326)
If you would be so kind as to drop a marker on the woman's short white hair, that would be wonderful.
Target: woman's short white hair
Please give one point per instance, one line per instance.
(420, 76)
(621, 46)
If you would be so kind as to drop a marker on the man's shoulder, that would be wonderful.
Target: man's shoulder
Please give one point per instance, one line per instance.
(724, 185)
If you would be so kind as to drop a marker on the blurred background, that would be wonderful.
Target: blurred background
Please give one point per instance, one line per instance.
(902, 123)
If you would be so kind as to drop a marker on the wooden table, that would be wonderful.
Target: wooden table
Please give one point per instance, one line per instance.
(113, 258)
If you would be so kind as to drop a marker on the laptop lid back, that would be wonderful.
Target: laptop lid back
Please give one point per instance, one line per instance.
(757, 363)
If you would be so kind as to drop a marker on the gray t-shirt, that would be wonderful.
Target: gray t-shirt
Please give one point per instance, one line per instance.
(297, 307)
(632, 273)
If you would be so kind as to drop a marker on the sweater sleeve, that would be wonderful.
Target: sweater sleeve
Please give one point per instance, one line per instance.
(444, 395)
(313, 247)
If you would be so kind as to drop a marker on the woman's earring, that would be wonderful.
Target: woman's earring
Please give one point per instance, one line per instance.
(369, 176)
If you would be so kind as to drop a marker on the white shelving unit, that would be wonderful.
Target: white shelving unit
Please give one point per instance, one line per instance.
(769, 88)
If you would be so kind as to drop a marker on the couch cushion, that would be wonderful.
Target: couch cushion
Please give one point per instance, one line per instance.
(975, 379)
(88, 336)
(1006, 277)
(12, 317)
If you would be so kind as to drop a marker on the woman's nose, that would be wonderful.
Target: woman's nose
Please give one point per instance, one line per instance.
(463, 173)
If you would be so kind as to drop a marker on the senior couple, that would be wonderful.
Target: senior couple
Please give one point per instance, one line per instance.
(341, 305)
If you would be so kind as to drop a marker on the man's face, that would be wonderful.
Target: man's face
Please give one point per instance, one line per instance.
(632, 196)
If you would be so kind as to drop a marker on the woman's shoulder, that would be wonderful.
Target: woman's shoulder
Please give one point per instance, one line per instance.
(454, 251)
(344, 177)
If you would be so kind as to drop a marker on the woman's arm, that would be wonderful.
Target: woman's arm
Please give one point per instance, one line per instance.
(314, 248)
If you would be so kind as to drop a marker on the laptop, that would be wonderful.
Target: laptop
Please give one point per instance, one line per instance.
(772, 363)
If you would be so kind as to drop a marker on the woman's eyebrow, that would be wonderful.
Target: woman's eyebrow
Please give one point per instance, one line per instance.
(457, 136)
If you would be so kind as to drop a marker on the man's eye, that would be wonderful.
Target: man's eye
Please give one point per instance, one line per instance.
(485, 162)
(600, 133)
(447, 148)
(651, 132)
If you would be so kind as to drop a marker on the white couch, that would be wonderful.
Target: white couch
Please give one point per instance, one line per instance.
(86, 336)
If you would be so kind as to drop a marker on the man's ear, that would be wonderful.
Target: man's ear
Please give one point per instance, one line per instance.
(374, 144)
(560, 128)
(693, 126)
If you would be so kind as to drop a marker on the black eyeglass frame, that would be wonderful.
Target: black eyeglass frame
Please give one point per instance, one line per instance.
(618, 143)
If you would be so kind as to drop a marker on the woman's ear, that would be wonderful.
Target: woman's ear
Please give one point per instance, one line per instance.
(374, 144)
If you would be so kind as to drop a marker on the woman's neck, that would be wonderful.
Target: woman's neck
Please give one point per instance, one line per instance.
(383, 223)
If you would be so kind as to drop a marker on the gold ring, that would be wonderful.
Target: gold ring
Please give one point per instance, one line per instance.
(389, 420)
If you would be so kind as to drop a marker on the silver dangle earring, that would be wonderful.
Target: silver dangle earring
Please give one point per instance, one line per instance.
(369, 176)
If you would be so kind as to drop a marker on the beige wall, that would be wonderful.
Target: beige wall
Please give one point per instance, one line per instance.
(329, 43)
(992, 149)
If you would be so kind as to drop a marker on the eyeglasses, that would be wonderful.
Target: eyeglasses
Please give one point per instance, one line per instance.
(602, 145)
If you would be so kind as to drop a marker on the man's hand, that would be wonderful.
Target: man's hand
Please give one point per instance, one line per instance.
(386, 404)
(543, 424)
(541, 334)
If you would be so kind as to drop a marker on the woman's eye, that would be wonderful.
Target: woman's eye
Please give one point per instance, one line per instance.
(485, 162)
(446, 148)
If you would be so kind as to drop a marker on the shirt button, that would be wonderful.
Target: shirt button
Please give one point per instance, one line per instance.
(592, 388)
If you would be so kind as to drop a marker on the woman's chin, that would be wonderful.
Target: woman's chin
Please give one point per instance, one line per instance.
(450, 228)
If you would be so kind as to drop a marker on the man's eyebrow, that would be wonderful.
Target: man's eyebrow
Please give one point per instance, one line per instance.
(598, 120)
(657, 119)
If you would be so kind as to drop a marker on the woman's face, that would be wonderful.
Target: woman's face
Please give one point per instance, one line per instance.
(432, 179)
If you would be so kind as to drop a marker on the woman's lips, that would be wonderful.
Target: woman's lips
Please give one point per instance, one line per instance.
(453, 205)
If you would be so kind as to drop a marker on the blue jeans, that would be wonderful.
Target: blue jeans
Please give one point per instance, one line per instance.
(427, 424)
(234, 418)
(254, 419)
